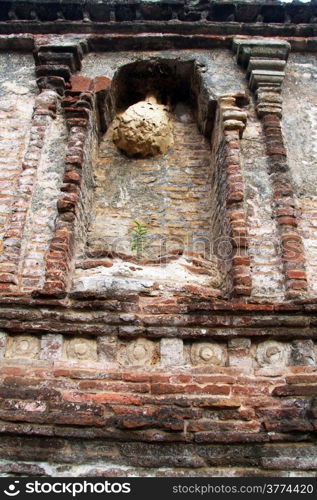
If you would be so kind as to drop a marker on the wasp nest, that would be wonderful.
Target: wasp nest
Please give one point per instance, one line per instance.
(144, 129)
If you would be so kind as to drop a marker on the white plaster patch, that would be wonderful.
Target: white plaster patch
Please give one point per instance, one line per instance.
(143, 276)
(15, 89)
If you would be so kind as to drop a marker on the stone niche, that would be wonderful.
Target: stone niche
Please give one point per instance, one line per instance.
(154, 166)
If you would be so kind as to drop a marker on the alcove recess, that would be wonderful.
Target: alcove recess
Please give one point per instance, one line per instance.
(174, 195)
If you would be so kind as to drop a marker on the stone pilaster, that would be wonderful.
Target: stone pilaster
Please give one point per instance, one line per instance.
(265, 61)
(233, 122)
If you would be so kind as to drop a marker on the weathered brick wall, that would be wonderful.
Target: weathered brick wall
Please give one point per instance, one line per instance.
(266, 265)
(18, 89)
(208, 422)
(42, 214)
(300, 114)
(108, 373)
(171, 195)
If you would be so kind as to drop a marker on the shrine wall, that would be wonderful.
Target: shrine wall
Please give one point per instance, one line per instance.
(111, 362)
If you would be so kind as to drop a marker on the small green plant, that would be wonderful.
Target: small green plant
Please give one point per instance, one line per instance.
(138, 238)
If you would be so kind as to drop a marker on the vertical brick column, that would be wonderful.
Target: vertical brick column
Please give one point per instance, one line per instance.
(44, 112)
(54, 66)
(233, 121)
(58, 259)
(78, 103)
(265, 61)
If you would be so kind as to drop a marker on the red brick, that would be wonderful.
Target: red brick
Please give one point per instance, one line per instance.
(294, 424)
(101, 83)
(72, 176)
(276, 150)
(105, 398)
(241, 261)
(190, 389)
(234, 197)
(213, 425)
(290, 221)
(8, 278)
(302, 378)
(297, 284)
(271, 120)
(80, 83)
(298, 275)
(249, 390)
(295, 390)
(241, 280)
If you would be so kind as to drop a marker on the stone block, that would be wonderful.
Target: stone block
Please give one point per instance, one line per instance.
(23, 346)
(3, 340)
(140, 352)
(171, 351)
(107, 349)
(303, 353)
(239, 351)
(208, 353)
(272, 353)
(80, 349)
(51, 346)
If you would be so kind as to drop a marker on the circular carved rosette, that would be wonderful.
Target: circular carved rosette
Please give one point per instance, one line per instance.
(23, 346)
(81, 349)
(272, 353)
(208, 353)
(138, 352)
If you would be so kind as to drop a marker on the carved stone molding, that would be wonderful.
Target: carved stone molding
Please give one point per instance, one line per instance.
(23, 346)
(264, 61)
(171, 352)
(208, 353)
(272, 353)
(233, 117)
(80, 349)
(140, 352)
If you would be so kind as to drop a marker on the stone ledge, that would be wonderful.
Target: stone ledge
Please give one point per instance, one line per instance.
(94, 11)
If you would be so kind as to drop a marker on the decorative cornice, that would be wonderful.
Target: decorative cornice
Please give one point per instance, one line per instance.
(254, 17)
(55, 64)
(264, 61)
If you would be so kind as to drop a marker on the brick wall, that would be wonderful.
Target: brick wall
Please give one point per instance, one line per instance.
(266, 265)
(41, 219)
(18, 88)
(218, 422)
(300, 112)
(171, 195)
(104, 372)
